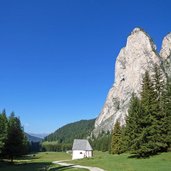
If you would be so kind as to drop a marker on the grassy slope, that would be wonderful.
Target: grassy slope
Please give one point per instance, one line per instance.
(39, 162)
(109, 162)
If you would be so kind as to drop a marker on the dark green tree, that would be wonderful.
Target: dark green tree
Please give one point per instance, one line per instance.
(116, 143)
(3, 130)
(104, 145)
(148, 125)
(102, 142)
(159, 127)
(16, 140)
(134, 124)
(148, 101)
(139, 124)
(147, 94)
(166, 109)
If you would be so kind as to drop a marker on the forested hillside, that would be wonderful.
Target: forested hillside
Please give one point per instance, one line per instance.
(69, 132)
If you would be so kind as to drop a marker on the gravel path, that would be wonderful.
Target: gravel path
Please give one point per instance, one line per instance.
(62, 163)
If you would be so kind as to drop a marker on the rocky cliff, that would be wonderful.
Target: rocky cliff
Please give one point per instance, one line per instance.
(165, 54)
(134, 59)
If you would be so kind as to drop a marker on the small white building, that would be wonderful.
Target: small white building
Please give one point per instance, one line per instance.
(81, 148)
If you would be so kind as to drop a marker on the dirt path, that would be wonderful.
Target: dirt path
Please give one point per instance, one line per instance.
(62, 163)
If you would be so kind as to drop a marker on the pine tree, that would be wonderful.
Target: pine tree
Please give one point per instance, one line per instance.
(15, 143)
(3, 130)
(159, 122)
(167, 112)
(116, 143)
(139, 129)
(134, 125)
(148, 146)
(148, 125)
(147, 94)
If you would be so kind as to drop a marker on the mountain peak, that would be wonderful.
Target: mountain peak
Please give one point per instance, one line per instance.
(137, 29)
(139, 39)
(139, 55)
(165, 51)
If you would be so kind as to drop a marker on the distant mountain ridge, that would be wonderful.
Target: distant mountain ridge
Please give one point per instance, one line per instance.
(43, 135)
(33, 138)
(77, 130)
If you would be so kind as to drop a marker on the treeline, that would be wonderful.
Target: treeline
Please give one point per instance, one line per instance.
(148, 124)
(102, 142)
(13, 141)
(55, 146)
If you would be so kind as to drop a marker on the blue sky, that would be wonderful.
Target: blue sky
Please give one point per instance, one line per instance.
(57, 57)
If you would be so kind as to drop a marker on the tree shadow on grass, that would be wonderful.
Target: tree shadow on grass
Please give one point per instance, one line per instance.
(134, 156)
(41, 166)
(28, 157)
(22, 158)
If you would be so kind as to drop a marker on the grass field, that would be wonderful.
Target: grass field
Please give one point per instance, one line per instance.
(123, 162)
(38, 162)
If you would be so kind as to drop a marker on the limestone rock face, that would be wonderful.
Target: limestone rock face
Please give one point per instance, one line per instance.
(165, 54)
(166, 47)
(134, 59)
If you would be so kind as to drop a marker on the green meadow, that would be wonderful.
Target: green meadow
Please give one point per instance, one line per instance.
(124, 162)
(38, 162)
